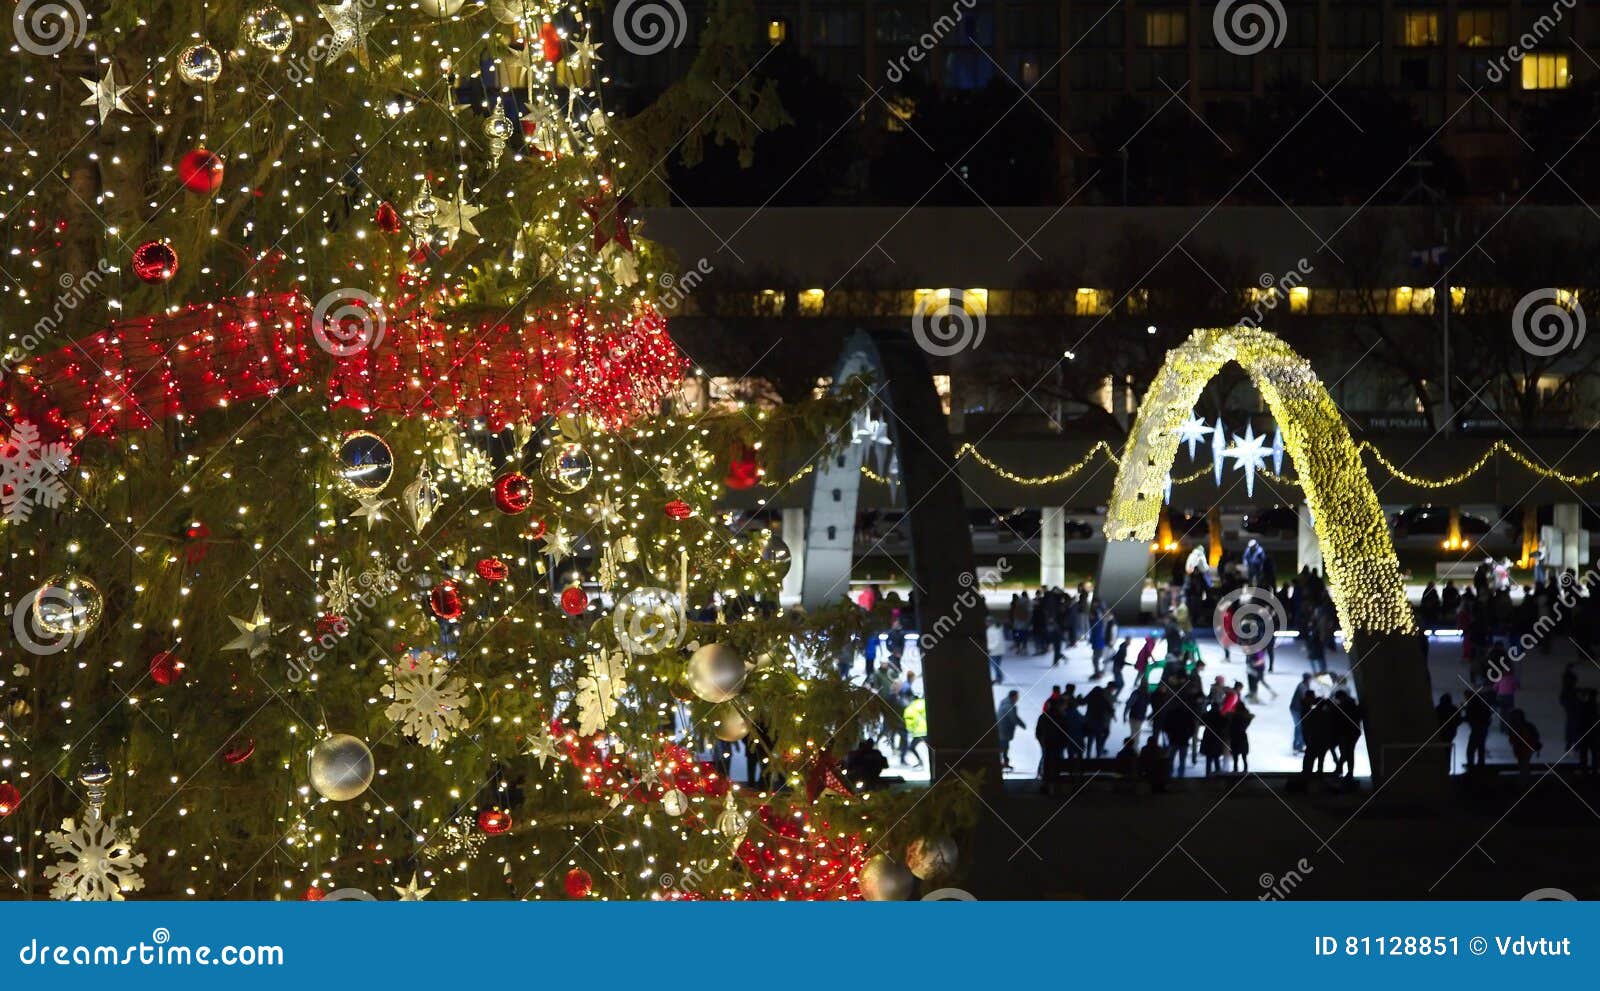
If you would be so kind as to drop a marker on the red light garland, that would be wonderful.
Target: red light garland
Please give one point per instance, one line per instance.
(207, 356)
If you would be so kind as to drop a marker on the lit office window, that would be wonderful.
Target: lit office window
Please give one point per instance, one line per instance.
(1545, 72)
(1166, 29)
(1419, 30)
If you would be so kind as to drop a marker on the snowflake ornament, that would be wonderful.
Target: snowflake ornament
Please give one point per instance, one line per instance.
(428, 702)
(599, 691)
(100, 863)
(28, 473)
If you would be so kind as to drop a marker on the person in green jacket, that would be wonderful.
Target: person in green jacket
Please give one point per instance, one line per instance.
(916, 720)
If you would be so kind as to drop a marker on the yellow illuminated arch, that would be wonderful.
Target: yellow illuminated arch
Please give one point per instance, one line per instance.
(1362, 571)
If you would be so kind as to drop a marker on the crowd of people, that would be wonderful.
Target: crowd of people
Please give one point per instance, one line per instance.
(1498, 635)
(1152, 694)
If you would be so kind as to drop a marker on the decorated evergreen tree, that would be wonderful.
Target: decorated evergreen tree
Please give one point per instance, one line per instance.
(348, 542)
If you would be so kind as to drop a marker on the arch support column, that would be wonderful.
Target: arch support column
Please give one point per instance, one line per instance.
(950, 608)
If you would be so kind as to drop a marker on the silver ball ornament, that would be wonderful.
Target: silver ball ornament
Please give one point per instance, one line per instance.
(567, 467)
(729, 724)
(931, 856)
(885, 879)
(269, 29)
(341, 767)
(716, 673)
(200, 65)
(440, 8)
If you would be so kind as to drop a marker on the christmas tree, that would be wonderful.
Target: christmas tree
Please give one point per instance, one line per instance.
(347, 542)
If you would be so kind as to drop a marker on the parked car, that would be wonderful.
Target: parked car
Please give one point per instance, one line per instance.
(1275, 521)
(1434, 521)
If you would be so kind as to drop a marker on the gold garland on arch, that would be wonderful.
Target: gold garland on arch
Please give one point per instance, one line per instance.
(1367, 447)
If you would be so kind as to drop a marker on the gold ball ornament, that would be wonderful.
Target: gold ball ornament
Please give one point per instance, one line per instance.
(441, 8)
(269, 29)
(567, 468)
(729, 724)
(68, 604)
(716, 673)
(885, 879)
(341, 767)
(200, 65)
(365, 462)
(931, 856)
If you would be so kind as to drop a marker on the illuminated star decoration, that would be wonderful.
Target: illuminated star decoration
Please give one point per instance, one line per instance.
(1192, 431)
(557, 541)
(105, 95)
(1250, 453)
(410, 892)
(455, 218)
(253, 632)
(1277, 451)
(585, 54)
(372, 509)
(1219, 444)
(349, 29)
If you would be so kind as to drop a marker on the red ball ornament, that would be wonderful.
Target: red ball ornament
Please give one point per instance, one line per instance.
(313, 894)
(536, 529)
(579, 884)
(493, 821)
(679, 510)
(239, 751)
(10, 798)
(388, 218)
(330, 625)
(492, 569)
(513, 493)
(550, 42)
(196, 551)
(155, 262)
(574, 601)
(200, 171)
(165, 668)
(743, 469)
(445, 600)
